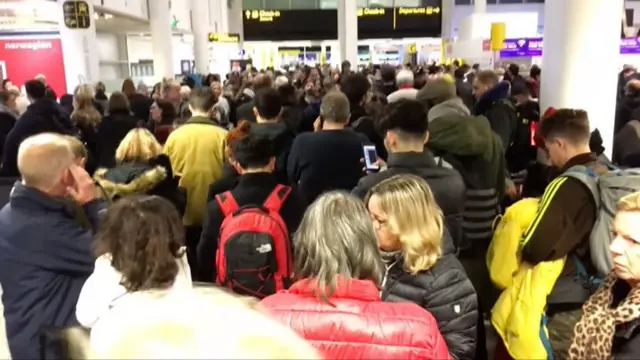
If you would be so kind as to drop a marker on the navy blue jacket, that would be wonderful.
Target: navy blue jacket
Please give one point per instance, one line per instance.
(45, 258)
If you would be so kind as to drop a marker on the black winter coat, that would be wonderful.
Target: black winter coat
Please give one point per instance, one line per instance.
(7, 122)
(42, 116)
(110, 133)
(446, 184)
(445, 291)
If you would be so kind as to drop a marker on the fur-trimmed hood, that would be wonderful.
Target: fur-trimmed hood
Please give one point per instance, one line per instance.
(129, 180)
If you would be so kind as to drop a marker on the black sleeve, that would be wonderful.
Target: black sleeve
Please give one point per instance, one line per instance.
(501, 119)
(452, 300)
(293, 210)
(208, 245)
(293, 167)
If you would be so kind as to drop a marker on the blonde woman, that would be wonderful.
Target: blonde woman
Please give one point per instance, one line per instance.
(141, 168)
(335, 303)
(86, 118)
(420, 260)
(609, 324)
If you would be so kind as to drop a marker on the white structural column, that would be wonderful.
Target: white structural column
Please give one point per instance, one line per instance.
(573, 30)
(348, 31)
(447, 16)
(233, 15)
(161, 36)
(81, 61)
(480, 6)
(201, 29)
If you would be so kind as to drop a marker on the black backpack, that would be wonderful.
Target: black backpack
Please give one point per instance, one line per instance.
(522, 149)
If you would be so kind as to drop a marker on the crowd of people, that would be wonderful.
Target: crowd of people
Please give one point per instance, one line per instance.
(316, 212)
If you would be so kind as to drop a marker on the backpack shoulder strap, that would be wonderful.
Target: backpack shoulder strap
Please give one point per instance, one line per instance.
(277, 197)
(227, 203)
(588, 177)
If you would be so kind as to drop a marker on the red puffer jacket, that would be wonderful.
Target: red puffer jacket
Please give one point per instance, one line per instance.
(359, 325)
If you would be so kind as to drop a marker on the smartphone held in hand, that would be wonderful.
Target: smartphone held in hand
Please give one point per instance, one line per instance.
(370, 158)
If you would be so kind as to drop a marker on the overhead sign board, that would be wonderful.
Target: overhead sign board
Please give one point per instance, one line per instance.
(224, 37)
(76, 14)
(320, 24)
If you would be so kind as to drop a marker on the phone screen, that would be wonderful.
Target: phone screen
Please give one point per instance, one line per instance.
(370, 157)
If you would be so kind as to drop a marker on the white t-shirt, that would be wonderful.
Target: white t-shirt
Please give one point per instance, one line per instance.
(102, 290)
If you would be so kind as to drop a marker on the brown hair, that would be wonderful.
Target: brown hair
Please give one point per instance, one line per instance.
(570, 124)
(144, 236)
(234, 135)
(118, 103)
(128, 87)
(6, 95)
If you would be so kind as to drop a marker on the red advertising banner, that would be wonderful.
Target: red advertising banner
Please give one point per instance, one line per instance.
(21, 59)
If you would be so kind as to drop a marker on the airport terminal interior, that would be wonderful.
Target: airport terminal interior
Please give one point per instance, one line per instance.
(320, 179)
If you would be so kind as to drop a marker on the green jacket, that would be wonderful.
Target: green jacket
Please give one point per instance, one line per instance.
(462, 135)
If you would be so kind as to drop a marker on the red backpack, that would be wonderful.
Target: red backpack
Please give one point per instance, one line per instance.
(254, 248)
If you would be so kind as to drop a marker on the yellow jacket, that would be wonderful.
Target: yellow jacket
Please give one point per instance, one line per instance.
(518, 313)
(196, 150)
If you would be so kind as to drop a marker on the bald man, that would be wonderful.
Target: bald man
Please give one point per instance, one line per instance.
(45, 255)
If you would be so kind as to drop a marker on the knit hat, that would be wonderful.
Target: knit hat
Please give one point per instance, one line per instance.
(438, 90)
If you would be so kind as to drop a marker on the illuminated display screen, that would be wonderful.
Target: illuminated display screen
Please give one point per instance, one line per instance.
(373, 23)
(224, 37)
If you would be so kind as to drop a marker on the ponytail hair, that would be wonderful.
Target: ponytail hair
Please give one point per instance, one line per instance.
(234, 135)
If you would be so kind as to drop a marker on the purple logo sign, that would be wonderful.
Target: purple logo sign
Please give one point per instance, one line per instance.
(533, 47)
(630, 46)
(522, 47)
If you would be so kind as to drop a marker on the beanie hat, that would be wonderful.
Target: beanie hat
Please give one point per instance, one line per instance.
(438, 90)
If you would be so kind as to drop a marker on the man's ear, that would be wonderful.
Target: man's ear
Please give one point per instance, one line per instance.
(426, 138)
(255, 111)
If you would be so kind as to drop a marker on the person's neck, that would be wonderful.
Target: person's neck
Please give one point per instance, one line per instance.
(262, 120)
(331, 125)
(583, 150)
(199, 114)
(256, 171)
(407, 148)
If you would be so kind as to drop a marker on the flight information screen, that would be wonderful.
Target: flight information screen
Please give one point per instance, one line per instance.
(399, 22)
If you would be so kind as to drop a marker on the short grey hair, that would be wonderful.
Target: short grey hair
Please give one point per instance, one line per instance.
(335, 107)
(43, 158)
(404, 77)
(336, 238)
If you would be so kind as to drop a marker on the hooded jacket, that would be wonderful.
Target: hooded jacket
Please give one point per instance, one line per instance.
(495, 106)
(153, 178)
(468, 144)
(445, 291)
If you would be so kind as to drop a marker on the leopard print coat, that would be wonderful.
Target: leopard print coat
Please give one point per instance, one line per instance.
(593, 334)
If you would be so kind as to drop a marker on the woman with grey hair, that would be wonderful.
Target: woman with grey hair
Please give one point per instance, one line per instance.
(335, 302)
